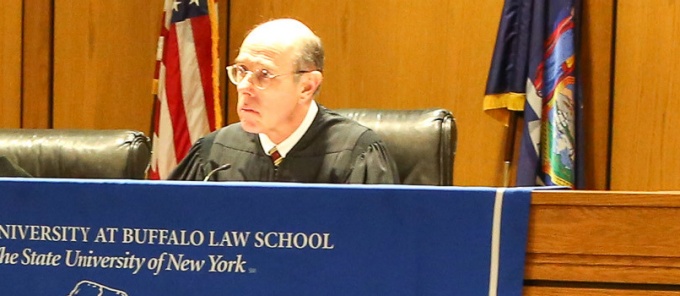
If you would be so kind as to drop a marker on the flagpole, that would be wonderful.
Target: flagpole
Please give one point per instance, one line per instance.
(509, 146)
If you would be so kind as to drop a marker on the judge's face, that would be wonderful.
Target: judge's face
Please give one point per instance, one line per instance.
(274, 109)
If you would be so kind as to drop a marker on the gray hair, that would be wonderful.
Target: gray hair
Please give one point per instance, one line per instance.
(310, 57)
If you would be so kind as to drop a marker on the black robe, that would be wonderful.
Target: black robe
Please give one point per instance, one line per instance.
(333, 150)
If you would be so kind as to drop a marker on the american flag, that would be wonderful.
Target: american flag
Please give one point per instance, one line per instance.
(186, 85)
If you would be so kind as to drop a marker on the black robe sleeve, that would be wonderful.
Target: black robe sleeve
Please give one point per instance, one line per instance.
(195, 165)
(374, 166)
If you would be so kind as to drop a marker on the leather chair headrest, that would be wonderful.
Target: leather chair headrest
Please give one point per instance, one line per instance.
(422, 142)
(70, 153)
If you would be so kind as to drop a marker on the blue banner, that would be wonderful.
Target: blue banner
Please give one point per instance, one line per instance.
(84, 237)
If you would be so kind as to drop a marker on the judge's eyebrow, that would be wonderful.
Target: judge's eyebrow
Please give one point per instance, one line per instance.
(256, 67)
(256, 62)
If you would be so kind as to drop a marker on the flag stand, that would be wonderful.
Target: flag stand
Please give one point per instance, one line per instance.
(509, 146)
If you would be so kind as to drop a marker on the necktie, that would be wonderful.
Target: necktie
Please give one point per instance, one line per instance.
(276, 156)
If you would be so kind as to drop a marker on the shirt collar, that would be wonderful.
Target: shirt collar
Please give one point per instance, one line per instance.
(286, 145)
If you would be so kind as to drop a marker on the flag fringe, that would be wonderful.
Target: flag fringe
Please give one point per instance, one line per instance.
(498, 105)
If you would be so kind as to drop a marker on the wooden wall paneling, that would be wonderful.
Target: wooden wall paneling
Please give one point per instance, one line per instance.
(645, 135)
(596, 61)
(10, 63)
(37, 64)
(402, 55)
(104, 58)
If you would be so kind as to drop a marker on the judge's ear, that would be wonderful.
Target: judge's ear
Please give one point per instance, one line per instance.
(310, 83)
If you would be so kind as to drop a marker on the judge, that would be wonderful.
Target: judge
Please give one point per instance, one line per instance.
(284, 135)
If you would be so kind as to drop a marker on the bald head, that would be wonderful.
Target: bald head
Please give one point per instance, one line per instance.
(288, 57)
(290, 35)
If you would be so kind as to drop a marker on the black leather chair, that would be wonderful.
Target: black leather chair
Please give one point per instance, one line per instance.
(70, 153)
(422, 142)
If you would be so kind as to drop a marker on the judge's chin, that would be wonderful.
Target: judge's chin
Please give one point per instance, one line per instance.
(10, 169)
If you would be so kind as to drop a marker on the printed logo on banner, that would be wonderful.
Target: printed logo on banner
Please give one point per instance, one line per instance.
(85, 288)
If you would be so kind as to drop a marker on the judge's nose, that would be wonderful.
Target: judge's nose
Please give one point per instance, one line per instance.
(246, 85)
(245, 88)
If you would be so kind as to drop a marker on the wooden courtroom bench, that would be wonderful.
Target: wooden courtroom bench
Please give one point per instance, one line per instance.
(603, 243)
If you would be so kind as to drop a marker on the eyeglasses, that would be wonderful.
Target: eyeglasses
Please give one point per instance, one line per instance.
(262, 77)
